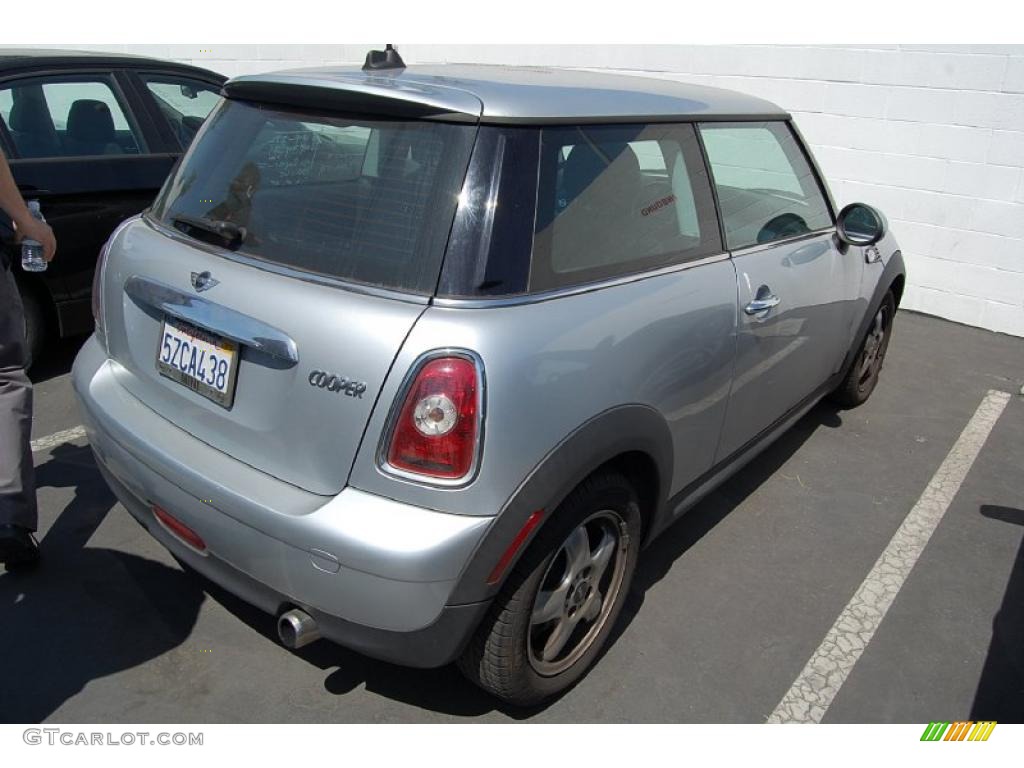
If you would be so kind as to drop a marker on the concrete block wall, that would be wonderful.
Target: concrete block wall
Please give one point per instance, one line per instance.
(931, 134)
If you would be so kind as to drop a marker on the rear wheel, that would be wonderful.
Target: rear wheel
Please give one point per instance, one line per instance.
(555, 613)
(862, 378)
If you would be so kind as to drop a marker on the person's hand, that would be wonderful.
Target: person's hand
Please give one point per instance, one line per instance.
(34, 229)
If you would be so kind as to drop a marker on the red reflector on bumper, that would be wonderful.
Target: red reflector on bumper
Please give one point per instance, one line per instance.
(179, 529)
(517, 542)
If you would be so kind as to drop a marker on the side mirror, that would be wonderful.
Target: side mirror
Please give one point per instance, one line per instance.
(188, 92)
(861, 225)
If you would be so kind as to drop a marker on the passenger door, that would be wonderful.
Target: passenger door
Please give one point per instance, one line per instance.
(636, 202)
(796, 292)
(78, 146)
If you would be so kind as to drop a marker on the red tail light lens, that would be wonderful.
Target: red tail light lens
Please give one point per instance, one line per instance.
(437, 431)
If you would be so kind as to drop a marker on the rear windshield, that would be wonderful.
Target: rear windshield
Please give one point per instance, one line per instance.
(369, 200)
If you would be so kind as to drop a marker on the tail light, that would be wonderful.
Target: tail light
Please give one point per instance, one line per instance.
(97, 292)
(438, 430)
(98, 279)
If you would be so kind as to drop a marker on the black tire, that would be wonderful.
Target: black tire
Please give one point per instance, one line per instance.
(502, 658)
(862, 378)
(35, 325)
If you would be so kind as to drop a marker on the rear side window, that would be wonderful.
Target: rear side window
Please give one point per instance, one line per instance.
(184, 103)
(614, 200)
(66, 117)
(362, 199)
(766, 188)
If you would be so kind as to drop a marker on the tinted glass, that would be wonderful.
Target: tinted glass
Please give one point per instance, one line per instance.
(766, 188)
(367, 200)
(492, 235)
(183, 102)
(70, 118)
(619, 199)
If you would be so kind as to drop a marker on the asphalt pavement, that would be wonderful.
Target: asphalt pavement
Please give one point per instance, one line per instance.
(726, 610)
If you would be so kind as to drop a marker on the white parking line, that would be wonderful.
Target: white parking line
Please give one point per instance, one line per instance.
(816, 687)
(65, 436)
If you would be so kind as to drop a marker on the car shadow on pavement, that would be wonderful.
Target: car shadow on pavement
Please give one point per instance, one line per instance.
(693, 525)
(445, 690)
(1000, 693)
(85, 612)
(441, 690)
(91, 612)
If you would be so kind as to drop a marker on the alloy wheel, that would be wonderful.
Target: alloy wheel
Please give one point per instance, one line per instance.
(874, 349)
(577, 593)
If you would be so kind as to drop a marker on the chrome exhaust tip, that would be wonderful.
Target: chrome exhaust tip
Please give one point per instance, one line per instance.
(297, 628)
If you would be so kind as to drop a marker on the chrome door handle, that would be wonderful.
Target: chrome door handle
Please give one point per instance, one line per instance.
(762, 304)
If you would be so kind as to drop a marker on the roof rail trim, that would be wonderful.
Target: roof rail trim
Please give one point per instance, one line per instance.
(634, 119)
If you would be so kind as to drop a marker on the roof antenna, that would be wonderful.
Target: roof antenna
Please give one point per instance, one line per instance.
(386, 59)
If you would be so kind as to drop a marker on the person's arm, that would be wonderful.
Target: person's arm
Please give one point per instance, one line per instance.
(14, 206)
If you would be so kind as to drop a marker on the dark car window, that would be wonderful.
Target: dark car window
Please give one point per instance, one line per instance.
(184, 103)
(616, 200)
(766, 188)
(361, 199)
(67, 117)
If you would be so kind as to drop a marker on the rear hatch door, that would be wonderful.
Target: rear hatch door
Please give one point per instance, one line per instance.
(261, 303)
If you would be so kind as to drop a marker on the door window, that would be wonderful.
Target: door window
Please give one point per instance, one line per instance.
(766, 188)
(616, 200)
(70, 118)
(183, 102)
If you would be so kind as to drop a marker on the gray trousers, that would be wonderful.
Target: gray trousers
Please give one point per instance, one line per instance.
(17, 480)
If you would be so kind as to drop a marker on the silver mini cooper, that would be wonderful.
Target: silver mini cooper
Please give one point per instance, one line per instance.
(420, 359)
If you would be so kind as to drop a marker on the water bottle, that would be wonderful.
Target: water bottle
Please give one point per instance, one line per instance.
(32, 250)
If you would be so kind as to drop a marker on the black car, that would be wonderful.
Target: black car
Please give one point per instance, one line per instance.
(92, 136)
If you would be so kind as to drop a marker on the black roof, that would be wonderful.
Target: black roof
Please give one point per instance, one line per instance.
(27, 59)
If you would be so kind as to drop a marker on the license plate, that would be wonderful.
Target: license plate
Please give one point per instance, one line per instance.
(200, 360)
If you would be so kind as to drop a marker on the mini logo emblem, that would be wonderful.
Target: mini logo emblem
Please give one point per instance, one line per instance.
(202, 281)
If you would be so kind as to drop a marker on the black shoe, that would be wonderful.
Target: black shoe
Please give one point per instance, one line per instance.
(18, 548)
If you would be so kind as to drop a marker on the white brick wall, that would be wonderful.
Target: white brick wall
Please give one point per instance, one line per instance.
(933, 135)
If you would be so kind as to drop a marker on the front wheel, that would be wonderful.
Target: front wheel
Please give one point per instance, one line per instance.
(862, 377)
(554, 614)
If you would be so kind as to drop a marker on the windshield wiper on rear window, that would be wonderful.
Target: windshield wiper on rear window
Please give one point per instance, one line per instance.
(231, 234)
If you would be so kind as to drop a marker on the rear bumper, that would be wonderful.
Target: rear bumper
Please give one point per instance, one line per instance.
(376, 574)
